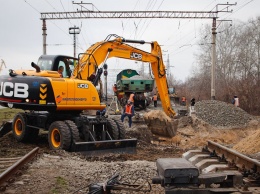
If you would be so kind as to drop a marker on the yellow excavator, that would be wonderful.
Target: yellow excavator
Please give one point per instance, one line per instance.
(57, 102)
(158, 122)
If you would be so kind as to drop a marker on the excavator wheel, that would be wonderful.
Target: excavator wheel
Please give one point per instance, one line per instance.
(59, 136)
(74, 130)
(20, 131)
(120, 127)
(84, 135)
(161, 124)
(112, 128)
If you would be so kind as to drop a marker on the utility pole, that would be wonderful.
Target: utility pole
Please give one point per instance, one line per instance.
(44, 35)
(214, 57)
(168, 66)
(74, 30)
(213, 66)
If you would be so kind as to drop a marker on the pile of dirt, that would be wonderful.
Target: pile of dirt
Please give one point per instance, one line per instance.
(161, 124)
(157, 114)
(250, 144)
(221, 114)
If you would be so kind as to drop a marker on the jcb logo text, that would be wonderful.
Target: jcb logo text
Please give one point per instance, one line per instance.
(83, 86)
(136, 56)
(9, 89)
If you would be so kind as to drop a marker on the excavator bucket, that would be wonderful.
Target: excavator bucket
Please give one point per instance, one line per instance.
(100, 147)
(5, 128)
(161, 124)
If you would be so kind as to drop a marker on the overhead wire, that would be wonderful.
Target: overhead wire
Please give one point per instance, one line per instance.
(69, 22)
(53, 7)
(26, 1)
(244, 3)
(81, 30)
(146, 9)
(174, 44)
(187, 23)
(151, 20)
(129, 19)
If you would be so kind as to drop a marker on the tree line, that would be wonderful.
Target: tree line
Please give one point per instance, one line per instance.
(237, 65)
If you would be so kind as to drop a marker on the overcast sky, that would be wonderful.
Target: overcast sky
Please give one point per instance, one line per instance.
(21, 29)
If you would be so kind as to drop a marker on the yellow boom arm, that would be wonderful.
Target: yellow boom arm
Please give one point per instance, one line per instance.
(98, 53)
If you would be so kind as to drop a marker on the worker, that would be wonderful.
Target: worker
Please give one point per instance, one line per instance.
(60, 70)
(92, 77)
(115, 89)
(129, 112)
(183, 101)
(131, 97)
(192, 103)
(154, 99)
(235, 101)
(67, 67)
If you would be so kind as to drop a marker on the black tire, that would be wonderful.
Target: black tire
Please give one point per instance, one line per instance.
(74, 130)
(85, 136)
(144, 104)
(19, 127)
(59, 136)
(120, 127)
(112, 129)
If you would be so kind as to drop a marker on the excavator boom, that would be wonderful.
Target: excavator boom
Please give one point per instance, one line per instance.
(96, 56)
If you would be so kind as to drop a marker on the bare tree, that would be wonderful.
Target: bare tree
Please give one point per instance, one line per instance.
(237, 68)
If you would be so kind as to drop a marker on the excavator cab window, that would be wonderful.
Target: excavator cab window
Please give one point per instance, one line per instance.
(68, 65)
(45, 64)
(52, 63)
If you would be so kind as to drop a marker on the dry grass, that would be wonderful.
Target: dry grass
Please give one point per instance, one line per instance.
(7, 114)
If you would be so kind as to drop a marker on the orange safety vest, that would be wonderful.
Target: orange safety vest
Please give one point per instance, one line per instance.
(114, 88)
(131, 98)
(128, 109)
(154, 98)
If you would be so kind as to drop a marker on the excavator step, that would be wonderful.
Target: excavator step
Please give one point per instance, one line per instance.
(111, 146)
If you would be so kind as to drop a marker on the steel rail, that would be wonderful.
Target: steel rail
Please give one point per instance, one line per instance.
(9, 172)
(242, 162)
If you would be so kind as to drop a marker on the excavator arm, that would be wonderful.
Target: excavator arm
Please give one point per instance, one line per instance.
(95, 57)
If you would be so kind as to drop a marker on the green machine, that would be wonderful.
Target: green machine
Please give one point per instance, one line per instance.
(129, 81)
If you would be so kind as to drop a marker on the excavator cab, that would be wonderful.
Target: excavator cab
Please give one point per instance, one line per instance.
(54, 62)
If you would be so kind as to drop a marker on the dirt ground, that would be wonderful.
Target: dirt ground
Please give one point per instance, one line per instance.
(65, 172)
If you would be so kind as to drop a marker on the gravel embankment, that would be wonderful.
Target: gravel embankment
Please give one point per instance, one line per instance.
(222, 114)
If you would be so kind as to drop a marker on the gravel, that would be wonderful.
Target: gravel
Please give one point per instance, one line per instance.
(64, 172)
(221, 114)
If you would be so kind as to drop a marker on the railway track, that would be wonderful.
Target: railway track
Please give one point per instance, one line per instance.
(11, 167)
(215, 157)
(214, 169)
